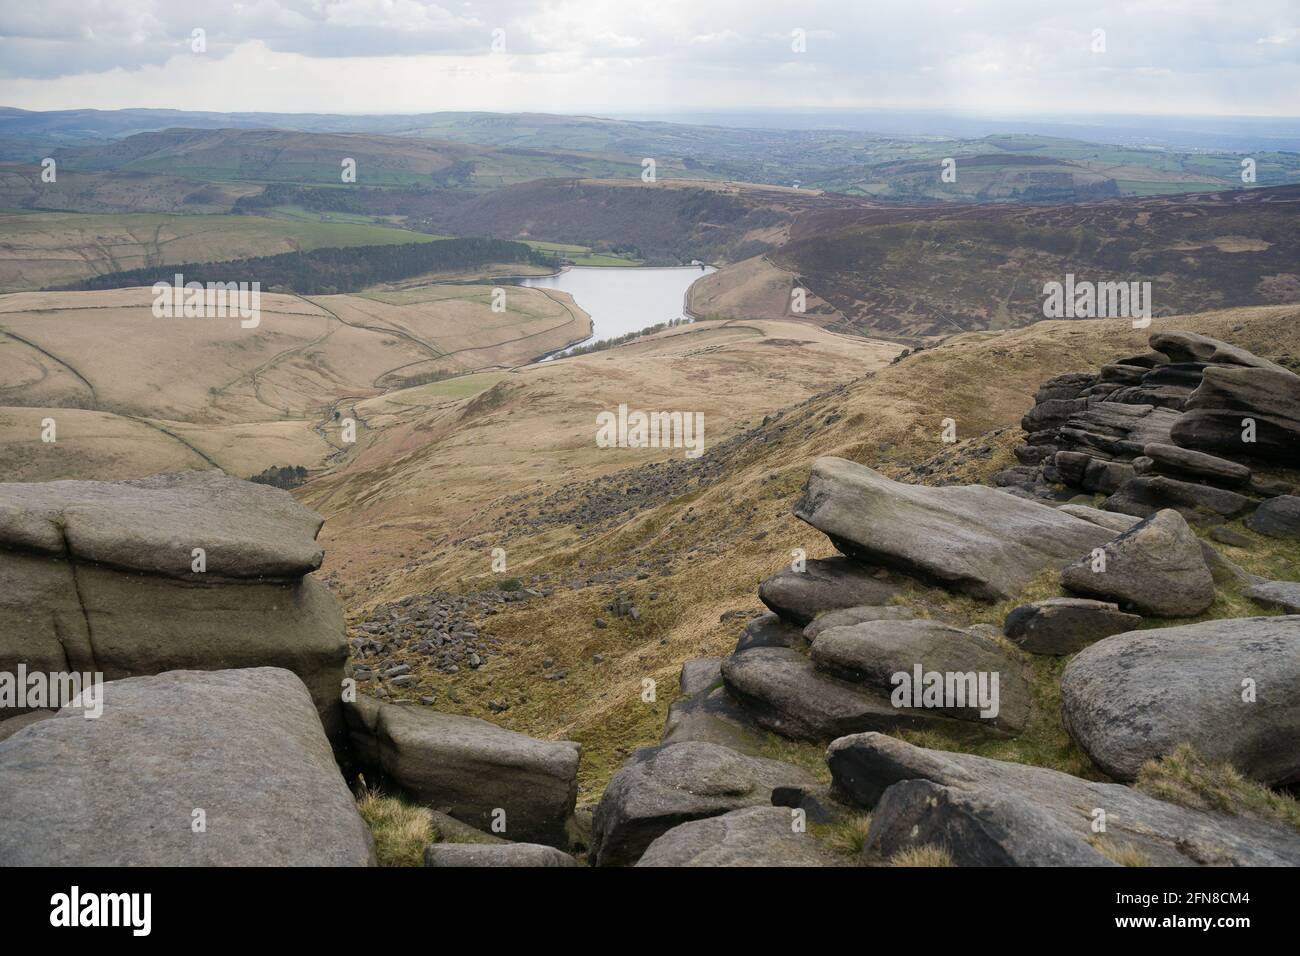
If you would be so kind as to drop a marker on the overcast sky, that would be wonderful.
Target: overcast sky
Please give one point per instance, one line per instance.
(644, 56)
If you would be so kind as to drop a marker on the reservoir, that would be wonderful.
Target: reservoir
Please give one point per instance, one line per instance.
(622, 300)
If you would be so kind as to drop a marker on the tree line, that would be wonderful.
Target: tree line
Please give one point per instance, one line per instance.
(330, 270)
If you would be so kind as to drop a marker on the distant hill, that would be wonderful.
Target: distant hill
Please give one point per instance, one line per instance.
(909, 272)
(277, 155)
(849, 159)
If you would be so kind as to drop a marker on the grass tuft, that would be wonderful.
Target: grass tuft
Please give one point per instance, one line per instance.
(1186, 778)
(928, 855)
(1125, 854)
(847, 836)
(401, 830)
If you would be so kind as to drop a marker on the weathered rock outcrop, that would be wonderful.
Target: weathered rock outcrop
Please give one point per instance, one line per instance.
(755, 836)
(469, 768)
(1183, 346)
(994, 543)
(241, 750)
(661, 787)
(1217, 412)
(1231, 688)
(1144, 495)
(769, 630)
(1156, 567)
(1144, 428)
(98, 577)
(981, 827)
(1017, 813)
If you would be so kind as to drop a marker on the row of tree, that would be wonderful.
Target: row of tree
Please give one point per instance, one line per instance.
(330, 270)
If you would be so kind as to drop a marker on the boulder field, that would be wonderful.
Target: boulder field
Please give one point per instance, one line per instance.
(226, 699)
(838, 658)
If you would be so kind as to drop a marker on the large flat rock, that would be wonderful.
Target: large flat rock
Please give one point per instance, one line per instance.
(828, 584)
(885, 655)
(458, 855)
(969, 538)
(755, 836)
(1016, 805)
(661, 787)
(470, 769)
(153, 524)
(785, 693)
(244, 747)
(1136, 696)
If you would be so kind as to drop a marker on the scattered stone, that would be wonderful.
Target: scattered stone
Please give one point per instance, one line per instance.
(1233, 539)
(1157, 568)
(1136, 696)
(1065, 625)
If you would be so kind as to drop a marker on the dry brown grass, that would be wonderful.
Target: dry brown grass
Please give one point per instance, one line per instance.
(401, 830)
(742, 529)
(1186, 778)
(928, 855)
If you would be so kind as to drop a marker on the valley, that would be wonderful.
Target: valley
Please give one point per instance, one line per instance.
(397, 483)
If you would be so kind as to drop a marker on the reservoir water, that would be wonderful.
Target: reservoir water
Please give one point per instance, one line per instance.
(622, 300)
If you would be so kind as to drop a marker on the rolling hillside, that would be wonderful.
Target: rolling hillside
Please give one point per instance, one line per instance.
(47, 249)
(913, 272)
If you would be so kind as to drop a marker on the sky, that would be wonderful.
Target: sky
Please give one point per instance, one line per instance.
(1202, 57)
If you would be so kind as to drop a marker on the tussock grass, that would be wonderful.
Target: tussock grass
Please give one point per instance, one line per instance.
(847, 837)
(401, 830)
(1186, 778)
(1125, 854)
(928, 855)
